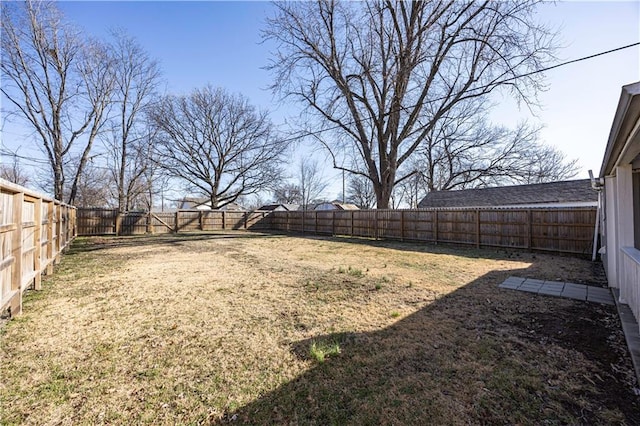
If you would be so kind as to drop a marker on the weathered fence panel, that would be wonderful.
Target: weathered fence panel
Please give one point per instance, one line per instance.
(34, 230)
(560, 230)
(97, 221)
(108, 222)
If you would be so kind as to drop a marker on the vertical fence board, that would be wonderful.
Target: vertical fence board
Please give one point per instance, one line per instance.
(565, 230)
(33, 230)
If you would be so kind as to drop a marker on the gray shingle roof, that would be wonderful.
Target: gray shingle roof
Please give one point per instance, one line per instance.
(572, 191)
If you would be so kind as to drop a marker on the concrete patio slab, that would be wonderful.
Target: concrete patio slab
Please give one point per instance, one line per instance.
(599, 292)
(597, 299)
(517, 280)
(575, 286)
(549, 292)
(552, 287)
(559, 289)
(574, 294)
(510, 285)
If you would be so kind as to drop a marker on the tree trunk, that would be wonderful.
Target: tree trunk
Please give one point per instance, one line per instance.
(58, 183)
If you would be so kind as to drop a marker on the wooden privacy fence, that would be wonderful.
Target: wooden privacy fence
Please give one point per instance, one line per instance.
(560, 230)
(34, 230)
(109, 222)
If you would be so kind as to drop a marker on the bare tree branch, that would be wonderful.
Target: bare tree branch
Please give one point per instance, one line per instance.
(386, 72)
(360, 192)
(56, 84)
(218, 143)
(310, 181)
(14, 173)
(136, 80)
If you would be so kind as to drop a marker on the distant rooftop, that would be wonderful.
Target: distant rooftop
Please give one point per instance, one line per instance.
(281, 206)
(571, 192)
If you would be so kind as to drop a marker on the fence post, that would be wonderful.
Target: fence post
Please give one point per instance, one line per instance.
(50, 238)
(58, 234)
(352, 222)
(16, 253)
(529, 229)
(118, 223)
(63, 227)
(477, 228)
(177, 225)
(401, 225)
(37, 266)
(304, 214)
(149, 223)
(200, 220)
(224, 226)
(435, 228)
(333, 222)
(246, 214)
(74, 216)
(376, 229)
(315, 223)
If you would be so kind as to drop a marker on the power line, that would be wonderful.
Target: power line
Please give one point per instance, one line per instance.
(562, 64)
(7, 153)
(336, 127)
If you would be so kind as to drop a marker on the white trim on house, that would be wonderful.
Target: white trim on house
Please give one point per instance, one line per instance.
(620, 253)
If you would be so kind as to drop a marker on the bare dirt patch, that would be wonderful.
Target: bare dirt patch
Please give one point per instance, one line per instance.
(269, 329)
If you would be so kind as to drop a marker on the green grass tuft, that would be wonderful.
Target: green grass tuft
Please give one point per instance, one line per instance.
(320, 351)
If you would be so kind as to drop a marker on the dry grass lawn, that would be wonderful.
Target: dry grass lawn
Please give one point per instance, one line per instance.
(270, 329)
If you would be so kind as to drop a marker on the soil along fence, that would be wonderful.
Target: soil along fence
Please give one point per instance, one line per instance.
(559, 230)
(34, 230)
(109, 222)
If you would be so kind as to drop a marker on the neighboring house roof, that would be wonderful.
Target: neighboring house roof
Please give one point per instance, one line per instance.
(335, 205)
(281, 207)
(346, 206)
(569, 193)
(623, 145)
(189, 203)
(232, 207)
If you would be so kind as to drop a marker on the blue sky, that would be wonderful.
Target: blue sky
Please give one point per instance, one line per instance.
(198, 43)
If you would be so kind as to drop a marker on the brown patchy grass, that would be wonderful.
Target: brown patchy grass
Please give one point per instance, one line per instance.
(269, 329)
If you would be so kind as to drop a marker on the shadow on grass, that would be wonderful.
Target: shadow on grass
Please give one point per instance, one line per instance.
(480, 355)
(469, 250)
(593, 273)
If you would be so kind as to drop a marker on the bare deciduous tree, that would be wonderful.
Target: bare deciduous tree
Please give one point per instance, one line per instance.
(136, 80)
(218, 143)
(410, 191)
(93, 187)
(287, 193)
(14, 173)
(463, 150)
(360, 192)
(155, 180)
(369, 71)
(310, 182)
(547, 164)
(58, 83)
